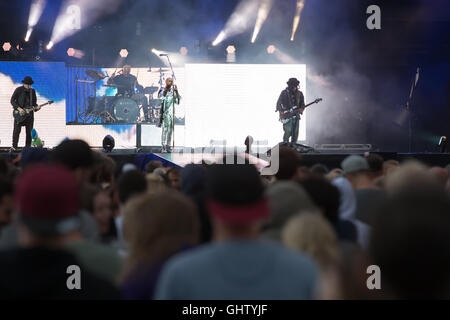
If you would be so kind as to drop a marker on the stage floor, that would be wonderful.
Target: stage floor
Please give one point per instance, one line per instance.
(331, 160)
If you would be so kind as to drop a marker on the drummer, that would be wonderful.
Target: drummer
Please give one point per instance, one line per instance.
(126, 83)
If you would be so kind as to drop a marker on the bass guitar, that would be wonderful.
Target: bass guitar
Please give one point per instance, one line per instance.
(22, 117)
(286, 115)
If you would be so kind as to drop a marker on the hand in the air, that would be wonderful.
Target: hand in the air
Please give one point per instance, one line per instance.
(37, 108)
(21, 111)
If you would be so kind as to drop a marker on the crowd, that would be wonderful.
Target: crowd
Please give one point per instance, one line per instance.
(214, 231)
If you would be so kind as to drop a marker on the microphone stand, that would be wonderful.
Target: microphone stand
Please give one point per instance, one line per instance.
(173, 109)
(408, 108)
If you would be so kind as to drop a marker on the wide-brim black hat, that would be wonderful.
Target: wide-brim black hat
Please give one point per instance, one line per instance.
(27, 80)
(293, 81)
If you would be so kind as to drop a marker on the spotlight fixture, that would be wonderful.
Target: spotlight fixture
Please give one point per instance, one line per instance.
(271, 49)
(108, 143)
(231, 49)
(183, 51)
(6, 46)
(123, 53)
(49, 45)
(443, 144)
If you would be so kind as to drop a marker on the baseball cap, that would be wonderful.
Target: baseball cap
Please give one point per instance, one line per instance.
(235, 193)
(47, 199)
(354, 163)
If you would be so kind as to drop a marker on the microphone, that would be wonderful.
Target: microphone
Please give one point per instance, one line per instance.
(163, 54)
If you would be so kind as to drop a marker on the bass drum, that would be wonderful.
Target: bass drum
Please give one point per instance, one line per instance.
(126, 110)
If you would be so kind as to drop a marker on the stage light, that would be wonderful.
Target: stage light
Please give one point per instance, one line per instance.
(240, 20)
(231, 54)
(123, 53)
(443, 144)
(183, 51)
(71, 52)
(78, 14)
(6, 46)
(263, 12)
(50, 45)
(298, 13)
(108, 143)
(219, 39)
(36, 9)
(231, 49)
(28, 35)
(271, 49)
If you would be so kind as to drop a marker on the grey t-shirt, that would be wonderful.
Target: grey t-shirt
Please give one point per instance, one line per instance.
(238, 270)
(366, 201)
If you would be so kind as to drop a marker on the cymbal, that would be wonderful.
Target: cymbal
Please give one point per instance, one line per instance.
(150, 90)
(95, 74)
(160, 69)
(113, 86)
(86, 81)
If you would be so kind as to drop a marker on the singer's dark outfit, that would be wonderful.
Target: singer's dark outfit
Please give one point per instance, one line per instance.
(287, 101)
(23, 98)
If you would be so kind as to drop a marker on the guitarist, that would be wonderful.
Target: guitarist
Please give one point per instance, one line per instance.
(291, 98)
(24, 97)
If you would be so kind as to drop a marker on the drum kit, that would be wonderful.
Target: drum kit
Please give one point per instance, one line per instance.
(119, 108)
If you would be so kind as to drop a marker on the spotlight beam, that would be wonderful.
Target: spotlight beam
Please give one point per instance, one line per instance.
(36, 9)
(298, 13)
(239, 20)
(263, 12)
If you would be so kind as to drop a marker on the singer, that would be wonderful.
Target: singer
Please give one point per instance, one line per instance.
(169, 97)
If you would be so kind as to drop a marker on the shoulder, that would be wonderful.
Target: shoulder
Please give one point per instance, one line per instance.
(191, 258)
(291, 258)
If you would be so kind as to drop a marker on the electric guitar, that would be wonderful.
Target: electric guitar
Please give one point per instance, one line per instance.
(286, 115)
(20, 118)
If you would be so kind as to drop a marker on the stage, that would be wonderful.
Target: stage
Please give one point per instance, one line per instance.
(179, 159)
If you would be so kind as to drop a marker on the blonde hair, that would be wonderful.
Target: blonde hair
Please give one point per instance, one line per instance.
(155, 182)
(312, 234)
(410, 174)
(157, 225)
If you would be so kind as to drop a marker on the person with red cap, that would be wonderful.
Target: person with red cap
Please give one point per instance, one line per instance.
(237, 264)
(46, 200)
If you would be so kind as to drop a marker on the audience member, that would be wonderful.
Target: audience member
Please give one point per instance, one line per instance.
(193, 185)
(237, 265)
(152, 165)
(410, 243)
(312, 234)
(347, 209)
(289, 162)
(361, 176)
(130, 184)
(326, 197)
(156, 226)
(286, 199)
(320, 169)
(6, 202)
(47, 201)
(155, 182)
(174, 177)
